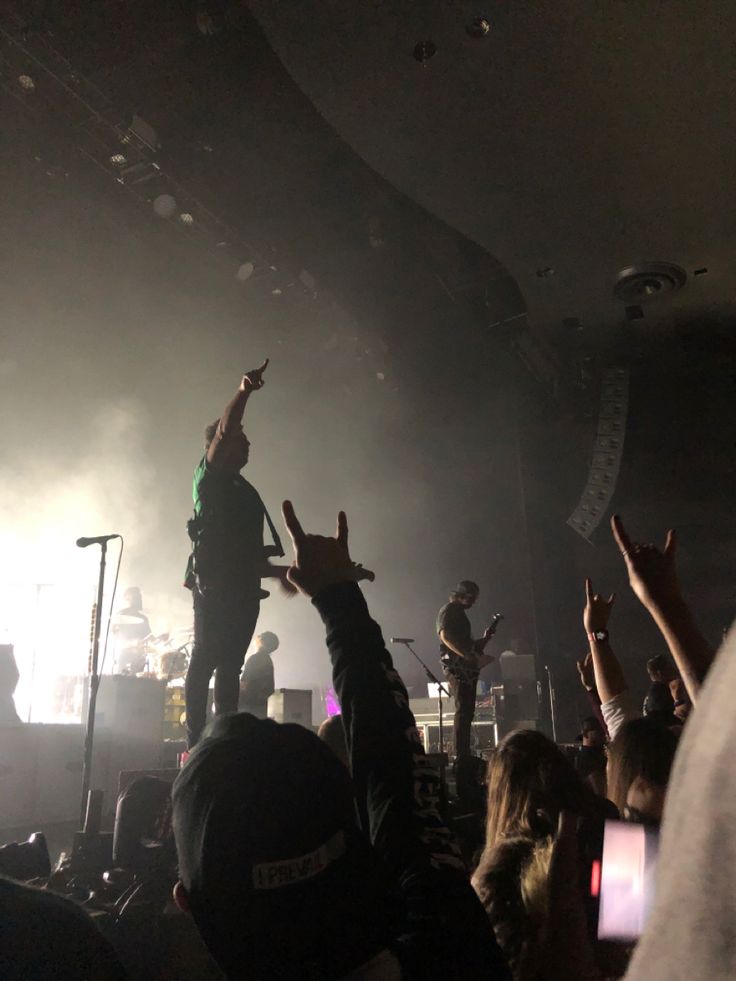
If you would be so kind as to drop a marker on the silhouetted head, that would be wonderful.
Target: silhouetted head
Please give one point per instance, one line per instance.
(267, 642)
(466, 593)
(235, 452)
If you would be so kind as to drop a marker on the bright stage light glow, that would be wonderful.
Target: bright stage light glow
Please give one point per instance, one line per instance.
(47, 584)
(48, 624)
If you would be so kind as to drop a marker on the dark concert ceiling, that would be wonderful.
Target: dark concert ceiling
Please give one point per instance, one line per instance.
(572, 140)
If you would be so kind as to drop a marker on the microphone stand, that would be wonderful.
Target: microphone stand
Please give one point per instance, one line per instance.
(552, 703)
(94, 683)
(441, 690)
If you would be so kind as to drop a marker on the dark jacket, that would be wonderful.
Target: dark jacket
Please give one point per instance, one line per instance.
(446, 933)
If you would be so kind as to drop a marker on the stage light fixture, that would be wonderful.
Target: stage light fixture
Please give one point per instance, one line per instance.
(27, 83)
(186, 219)
(164, 205)
(245, 271)
(118, 160)
(425, 50)
(479, 27)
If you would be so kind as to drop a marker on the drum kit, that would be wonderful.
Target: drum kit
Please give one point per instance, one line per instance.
(164, 656)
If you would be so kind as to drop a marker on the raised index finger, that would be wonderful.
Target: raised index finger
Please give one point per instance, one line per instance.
(292, 523)
(342, 528)
(264, 365)
(620, 534)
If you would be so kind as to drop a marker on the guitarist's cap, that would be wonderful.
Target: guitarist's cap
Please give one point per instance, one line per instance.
(466, 587)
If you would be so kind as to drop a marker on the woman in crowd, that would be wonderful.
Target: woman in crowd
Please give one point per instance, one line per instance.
(530, 784)
(639, 763)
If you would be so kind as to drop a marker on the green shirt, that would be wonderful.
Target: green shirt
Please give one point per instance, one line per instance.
(228, 547)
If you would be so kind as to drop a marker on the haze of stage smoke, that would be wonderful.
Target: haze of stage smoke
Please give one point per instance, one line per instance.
(47, 584)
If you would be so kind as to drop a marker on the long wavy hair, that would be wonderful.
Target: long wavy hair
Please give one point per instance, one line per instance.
(642, 748)
(530, 780)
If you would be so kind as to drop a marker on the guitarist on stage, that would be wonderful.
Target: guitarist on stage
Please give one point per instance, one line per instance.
(462, 659)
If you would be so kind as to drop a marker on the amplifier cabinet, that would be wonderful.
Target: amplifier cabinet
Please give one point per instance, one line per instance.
(291, 705)
(483, 736)
(130, 707)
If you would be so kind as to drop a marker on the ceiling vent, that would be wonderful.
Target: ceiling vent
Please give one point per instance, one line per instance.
(637, 284)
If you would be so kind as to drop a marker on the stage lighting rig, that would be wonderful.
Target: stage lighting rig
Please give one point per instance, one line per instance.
(70, 108)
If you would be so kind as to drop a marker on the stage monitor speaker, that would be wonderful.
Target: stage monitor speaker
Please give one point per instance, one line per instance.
(130, 707)
(424, 709)
(291, 705)
(504, 727)
(482, 737)
(520, 691)
(129, 730)
(126, 777)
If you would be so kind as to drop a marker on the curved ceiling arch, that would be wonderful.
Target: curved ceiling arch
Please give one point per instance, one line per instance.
(572, 141)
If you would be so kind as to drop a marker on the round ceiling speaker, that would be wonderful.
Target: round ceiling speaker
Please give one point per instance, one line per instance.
(642, 282)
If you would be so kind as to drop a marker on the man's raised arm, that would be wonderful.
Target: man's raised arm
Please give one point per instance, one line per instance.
(396, 789)
(231, 420)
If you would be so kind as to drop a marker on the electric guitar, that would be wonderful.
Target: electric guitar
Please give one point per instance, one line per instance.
(467, 668)
(360, 574)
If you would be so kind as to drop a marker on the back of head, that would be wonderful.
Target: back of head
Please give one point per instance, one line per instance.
(659, 668)
(529, 782)
(512, 886)
(210, 432)
(133, 598)
(281, 883)
(332, 733)
(267, 642)
(644, 749)
(591, 732)
(465, 588)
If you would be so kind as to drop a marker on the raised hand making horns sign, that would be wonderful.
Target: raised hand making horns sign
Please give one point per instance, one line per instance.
(653, 577)
(652, 573)
(319, 561)
(597, 609)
